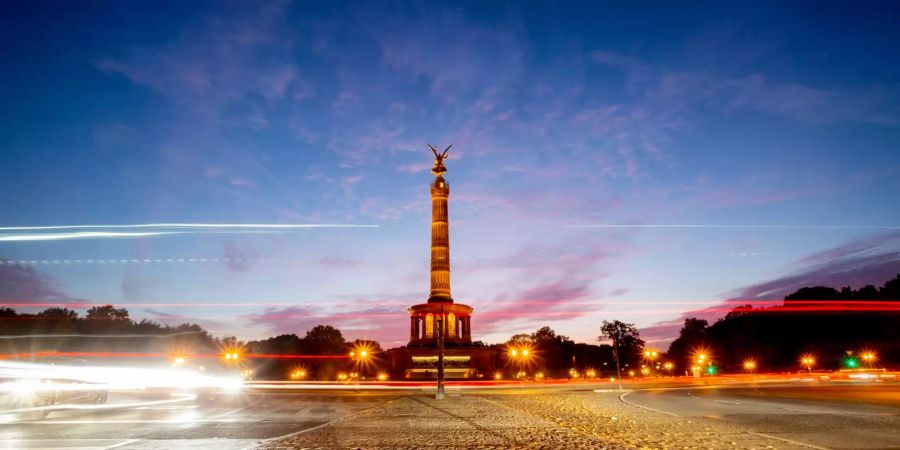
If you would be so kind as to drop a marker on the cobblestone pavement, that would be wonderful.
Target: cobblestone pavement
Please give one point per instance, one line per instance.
(584, 420)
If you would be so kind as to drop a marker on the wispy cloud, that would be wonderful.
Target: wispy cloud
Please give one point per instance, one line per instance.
(870, 260)
(26, 284)
(384, 324)
(218, 62)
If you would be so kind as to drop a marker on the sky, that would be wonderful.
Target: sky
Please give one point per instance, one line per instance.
(643, 162)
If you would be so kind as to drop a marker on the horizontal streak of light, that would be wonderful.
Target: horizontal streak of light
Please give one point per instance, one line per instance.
(574, 313)
(404, 305)
(749, 227)
(179, 397)
(157, 229)
(895, 307)
(123, 336)
(34, 262)
(82, 235)
(160, 355)
(276, 226)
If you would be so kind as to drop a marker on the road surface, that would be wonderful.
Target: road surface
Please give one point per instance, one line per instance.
(798, 414)
(834, 415)
(152, 421)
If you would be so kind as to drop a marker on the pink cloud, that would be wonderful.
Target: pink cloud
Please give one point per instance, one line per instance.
(387, 325)
(24, 283)
(871, 260)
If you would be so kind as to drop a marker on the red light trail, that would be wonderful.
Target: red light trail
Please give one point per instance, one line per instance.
(49, 354)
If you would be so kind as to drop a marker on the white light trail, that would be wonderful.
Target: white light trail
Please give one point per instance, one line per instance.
(743, 226)
(34, 262)
(80, 235)
(114, 336)
(64, 232)
(52, 376)
(276, 226)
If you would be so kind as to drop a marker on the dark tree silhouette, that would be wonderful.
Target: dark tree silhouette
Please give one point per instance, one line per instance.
(776, 337)
(626, 342)
(107, 312)
(324, 340)
(692, 336)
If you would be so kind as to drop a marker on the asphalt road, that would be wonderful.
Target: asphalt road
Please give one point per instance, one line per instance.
(819, 415)
(162, 421)
(833, 416)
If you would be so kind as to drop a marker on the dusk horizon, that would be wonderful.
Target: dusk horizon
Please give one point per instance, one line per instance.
(292, 224)
(262, 169)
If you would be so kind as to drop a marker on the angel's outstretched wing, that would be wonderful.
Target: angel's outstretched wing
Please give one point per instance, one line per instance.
(444, 155)
(434, 150)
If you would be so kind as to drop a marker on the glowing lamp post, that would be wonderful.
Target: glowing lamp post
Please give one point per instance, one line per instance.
(440, 364)
(749, 365)
(650, 357)
(869, 357)
(519, 356)
(702, 360)
(669, 366)
(808, 361)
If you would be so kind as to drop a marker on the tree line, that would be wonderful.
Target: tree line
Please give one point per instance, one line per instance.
(771, 336)
(103, 328)
(776, 337)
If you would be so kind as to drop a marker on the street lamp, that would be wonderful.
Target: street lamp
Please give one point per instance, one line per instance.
(360, 355)
(749, 365)
(440, 362)
(650, 356)
(702, 360)
(808, 360)
(869, 357)
(669, 366)
(519, 356)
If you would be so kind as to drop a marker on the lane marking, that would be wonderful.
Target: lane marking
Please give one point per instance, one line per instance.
(63, 407)
(622, 398)
(121, 444)
(729, 402)
(65, 443)
(234, 411)
(789, 441)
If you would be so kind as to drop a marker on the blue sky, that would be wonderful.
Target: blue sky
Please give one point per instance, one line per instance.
(784, 116)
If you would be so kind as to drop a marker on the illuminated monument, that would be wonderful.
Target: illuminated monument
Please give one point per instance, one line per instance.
(424, 318)
(419, 358)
